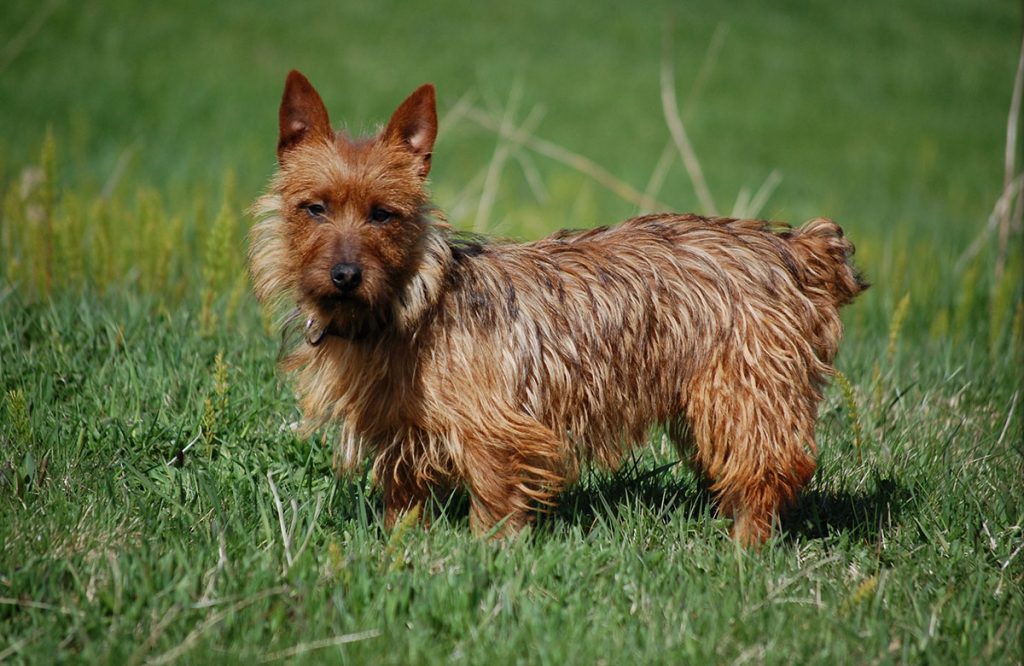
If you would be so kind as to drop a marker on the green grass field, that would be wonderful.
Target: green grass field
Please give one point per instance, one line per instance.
(156, 507)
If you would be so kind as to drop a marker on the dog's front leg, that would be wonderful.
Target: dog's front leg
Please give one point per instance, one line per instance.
(513, 467)
(403, 490)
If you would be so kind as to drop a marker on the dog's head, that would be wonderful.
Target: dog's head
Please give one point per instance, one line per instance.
(352, 211)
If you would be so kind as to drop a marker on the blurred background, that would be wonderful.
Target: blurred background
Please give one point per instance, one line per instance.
(136, 134)
(146, 437)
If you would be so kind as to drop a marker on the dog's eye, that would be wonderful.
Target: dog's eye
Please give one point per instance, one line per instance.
(380, 215)
(315, 210)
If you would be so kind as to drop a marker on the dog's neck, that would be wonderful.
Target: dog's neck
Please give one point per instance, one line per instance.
(421, 293)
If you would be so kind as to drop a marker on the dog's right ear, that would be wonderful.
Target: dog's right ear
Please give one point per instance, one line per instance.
(302, 116)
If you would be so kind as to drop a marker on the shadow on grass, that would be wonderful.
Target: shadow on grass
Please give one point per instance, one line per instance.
(607, 495)
(596, 493)
(817, 514)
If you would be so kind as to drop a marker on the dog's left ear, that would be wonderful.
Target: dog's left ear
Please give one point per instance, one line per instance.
(414, 125)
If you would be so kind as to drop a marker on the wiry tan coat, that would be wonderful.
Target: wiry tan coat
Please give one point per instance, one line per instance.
(502, 367)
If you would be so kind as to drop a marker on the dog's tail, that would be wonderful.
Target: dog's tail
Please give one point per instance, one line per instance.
(824, 256)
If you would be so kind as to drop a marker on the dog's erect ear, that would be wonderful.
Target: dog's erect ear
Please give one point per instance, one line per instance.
(414, 125)
(302, 115)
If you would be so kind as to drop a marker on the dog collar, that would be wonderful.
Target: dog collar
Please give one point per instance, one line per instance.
(313, 336)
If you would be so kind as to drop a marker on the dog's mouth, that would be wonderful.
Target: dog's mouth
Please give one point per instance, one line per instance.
(338, 299)
(344, 317)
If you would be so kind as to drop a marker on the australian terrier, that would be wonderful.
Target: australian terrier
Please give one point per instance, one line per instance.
(501, 367)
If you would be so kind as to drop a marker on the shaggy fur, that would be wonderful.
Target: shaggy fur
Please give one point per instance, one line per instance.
(502, 367)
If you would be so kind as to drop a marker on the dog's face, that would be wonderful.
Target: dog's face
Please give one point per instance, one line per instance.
(353, 208)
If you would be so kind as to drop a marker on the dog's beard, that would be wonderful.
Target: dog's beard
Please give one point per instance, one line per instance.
(350, 318)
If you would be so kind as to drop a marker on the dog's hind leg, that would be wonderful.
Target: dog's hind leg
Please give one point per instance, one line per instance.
(754, 438)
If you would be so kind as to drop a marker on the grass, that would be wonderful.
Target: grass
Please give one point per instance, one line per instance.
(128, 544)
(156, 507)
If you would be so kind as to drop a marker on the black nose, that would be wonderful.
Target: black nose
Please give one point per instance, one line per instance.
(346, 277)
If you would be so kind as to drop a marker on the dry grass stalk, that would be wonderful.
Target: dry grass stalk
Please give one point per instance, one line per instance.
(678, 131)
(567, 157)
(1011, 219)
(1009, 207)
(23, 38)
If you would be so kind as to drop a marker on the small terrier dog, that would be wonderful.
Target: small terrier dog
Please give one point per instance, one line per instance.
(501, 367)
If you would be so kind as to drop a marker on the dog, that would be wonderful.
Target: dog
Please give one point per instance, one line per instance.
(502, 367)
